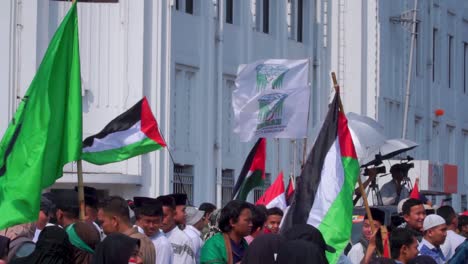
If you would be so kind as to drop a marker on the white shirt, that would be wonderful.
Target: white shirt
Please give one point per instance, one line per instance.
(356, 254)
(197, 242)
(164, 254)
(389, 195)
(181, 246)
(452, 241)
(38, 232)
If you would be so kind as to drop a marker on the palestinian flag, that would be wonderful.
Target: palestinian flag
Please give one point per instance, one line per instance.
(132, 133)
(274, 196)
(253, 172)
(290, 191)
(324, 198)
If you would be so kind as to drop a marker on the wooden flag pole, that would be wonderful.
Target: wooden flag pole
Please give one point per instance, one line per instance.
(361, 188)
(81, 199)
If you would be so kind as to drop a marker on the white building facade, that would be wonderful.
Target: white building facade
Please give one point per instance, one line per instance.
(168, 51)
(370, 52)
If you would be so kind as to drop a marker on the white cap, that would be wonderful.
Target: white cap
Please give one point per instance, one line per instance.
(431, 221)
(193, 215)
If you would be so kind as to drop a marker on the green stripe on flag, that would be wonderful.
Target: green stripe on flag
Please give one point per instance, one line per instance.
(337, 223)
(254, 180)
(115, 155)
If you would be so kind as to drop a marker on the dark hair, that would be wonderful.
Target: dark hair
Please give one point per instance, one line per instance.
(148, 210)
(116, 205)
(447, 213)
(462, 220)
(406, 209)
(208, 208)
(231, 211)
(398, 238)
(259, 217)
(167, 200)
(275, 211)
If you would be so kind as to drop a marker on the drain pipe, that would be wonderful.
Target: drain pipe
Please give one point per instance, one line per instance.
(219, 86)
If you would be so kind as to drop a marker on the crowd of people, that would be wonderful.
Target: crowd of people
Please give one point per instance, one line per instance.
(166, 230)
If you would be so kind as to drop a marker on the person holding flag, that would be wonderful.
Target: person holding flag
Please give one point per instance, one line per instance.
(46, 130)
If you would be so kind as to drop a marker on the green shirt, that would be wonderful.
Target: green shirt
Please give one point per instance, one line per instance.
(214, 250)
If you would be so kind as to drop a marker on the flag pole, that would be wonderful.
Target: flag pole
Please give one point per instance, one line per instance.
(81, 200)
(361, 188)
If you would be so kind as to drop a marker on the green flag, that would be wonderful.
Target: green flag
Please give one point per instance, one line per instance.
(46, 130)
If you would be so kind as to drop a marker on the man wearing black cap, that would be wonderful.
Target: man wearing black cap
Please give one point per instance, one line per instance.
(181, 203)
(68, 211)
(181, 244)
(394, 191)
(359, 250)
(149, 215)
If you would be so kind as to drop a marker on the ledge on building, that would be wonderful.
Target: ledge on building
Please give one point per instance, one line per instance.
(102, 178)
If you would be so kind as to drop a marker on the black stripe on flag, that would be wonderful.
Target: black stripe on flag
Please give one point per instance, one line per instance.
(121, 123)
(245, 169)
(310, 178)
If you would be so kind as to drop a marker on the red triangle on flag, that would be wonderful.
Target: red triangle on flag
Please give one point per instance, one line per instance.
(415, 192)
(274, 195)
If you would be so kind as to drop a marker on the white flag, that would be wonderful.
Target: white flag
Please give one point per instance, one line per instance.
(271, 99)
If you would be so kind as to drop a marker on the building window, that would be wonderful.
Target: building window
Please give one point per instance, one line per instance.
(227, 186)
(434, 53)
(261, 15)
(259, 191)
(450, 146)
(465, 66)
(450, 60)
(91, 1)
(465, 155)
(435, 147)
(183, 180)
(229, 11)
(463, 203)
(418, 136)
(184, 5)
(182, 104)
(295, 19)
(417, 50)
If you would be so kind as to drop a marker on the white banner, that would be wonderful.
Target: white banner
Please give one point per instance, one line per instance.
(272, 99)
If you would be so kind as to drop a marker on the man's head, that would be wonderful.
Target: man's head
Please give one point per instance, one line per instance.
(114, 215)
(169, 208)
(398, 171)
(259, 217)
(414, 213)
(236, 217)
(149, 215)
(208, 208)
(274, 216)
(404, 246)
(46, 211)
(463, 225)
(449, 215)
(181, 203)
(195, 217)
(435, 229)
(68, 210)
(379, 219)
(91, 202)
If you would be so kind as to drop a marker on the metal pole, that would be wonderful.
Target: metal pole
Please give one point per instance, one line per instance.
(167, 95)
(219, 42)
(410, 67)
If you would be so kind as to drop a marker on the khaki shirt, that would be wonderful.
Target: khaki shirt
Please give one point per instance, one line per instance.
(147, 251)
